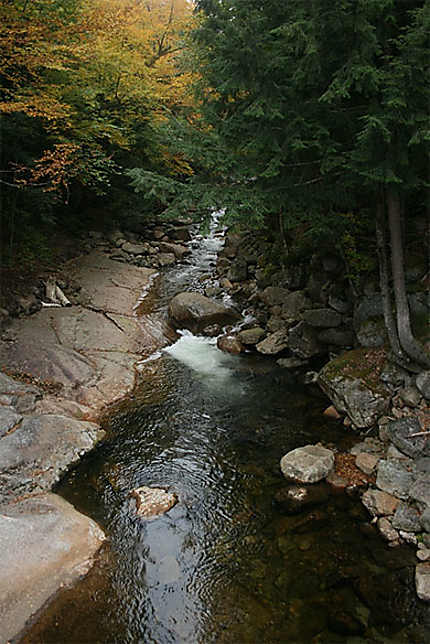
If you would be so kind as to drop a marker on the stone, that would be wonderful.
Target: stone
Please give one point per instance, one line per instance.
(425, 520)
(295, 498)
(178, 251)
(406, 518)
(291, 363)
(410, 396)
(222, 266)
(423, 384)
(308, 464)
(338, 337)
(151, 502)
(359, 399)
(273, 344)
(8, 420)
(134, 249)
(366, 462)
(195, 311)
(422, 581)
(45, 545)
(386, 529)
(393, 375)
(372, 333)
(422, 464)
(395, 478)
(332, 413)
(273, 295)
(276, 323)
(379, 503)
(238, 271)
(166, 259)
(230, 344)
(181, 233)
(225, 284)
(294, 305)
(39, 452)
(336, 482)
(251, 336)
(367, 307)
(302, 341)
(420, 492)
(399, 432)
(322, 318)
(338, 304)
(394, 454)
(423, 554)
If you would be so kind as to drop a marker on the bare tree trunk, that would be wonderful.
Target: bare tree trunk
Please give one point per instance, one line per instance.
(411, 347)
(381, 245)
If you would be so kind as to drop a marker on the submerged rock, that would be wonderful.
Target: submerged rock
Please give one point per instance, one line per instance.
(295, 498)
(308, 464)
(151, 502)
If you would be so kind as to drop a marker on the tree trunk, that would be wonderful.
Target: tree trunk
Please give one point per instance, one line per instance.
(407, 341)
(381, 245)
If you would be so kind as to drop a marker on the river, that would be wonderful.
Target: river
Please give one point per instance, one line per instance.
(225, 565)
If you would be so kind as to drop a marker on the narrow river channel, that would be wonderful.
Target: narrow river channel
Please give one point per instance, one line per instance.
(225, 565)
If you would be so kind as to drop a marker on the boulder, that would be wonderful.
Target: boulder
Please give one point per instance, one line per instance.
(295, 498)
(406, 518)
(367, 307)
(273, 344)
(181, 232)
(251, 336)
(379, 503)
(45, 545)
(420, 491)
(134, 249)
(395, 478)
(322, 318)
(302, 341)
(178, 251)
(308, 464)
(294, 305)
(372, 333)
(410, 396)
(366, 462)
(166, 259)
(387, 531)
(230, 344)
(274, 295)
(338, 304)
(238, 271)
(195, 311)
(422, 581)
(151, 502)
(362, 398)
(423, 384)
(338, 337)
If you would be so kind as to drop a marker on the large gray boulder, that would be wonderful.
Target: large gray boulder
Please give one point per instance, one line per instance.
(45, 545)
(273, 344)
(194, 311)
(302, 341)
(308, 464)
(274, 295)
(396, 478)
(294, 305)
(354, 390)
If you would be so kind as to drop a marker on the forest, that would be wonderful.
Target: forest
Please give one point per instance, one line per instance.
(308, 119)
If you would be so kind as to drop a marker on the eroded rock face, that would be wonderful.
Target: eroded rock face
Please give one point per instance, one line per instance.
(194, 311)
(152, 502)
(45, 545)
(308, 464)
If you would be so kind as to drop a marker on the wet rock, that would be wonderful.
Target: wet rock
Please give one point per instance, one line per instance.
(338, 337)
(363, 402)
(422, 581)
(372, 333)
(308, 464)
(423, 554)
(273, 344)
(230, 344)
(181, 233)
(251, 336)
(8, 420)
(380, 503)
(423, 384)
(366, 462)
(302, 341)
(152, 502)
(178, 251)
(386, 530)
(322, 318)
(294, 498)
(274, 295)
(399, 432)
(406, 518)
(420, 492)
(45, 546)
(195, 311)
(291, 363)
(395, 478)
(225, 284)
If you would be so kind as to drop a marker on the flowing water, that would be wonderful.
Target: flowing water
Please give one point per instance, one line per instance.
(225, 565)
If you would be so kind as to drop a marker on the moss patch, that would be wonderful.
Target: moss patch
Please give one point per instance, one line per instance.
(363, 364)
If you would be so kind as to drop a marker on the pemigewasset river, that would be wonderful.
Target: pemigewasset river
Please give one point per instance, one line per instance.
(225, 565)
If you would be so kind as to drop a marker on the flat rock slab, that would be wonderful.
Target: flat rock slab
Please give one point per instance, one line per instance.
(308, 464)
(45, 545)
(151, 502)
(40, 450)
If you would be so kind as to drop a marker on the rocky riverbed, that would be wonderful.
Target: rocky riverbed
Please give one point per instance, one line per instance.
(61, 366)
